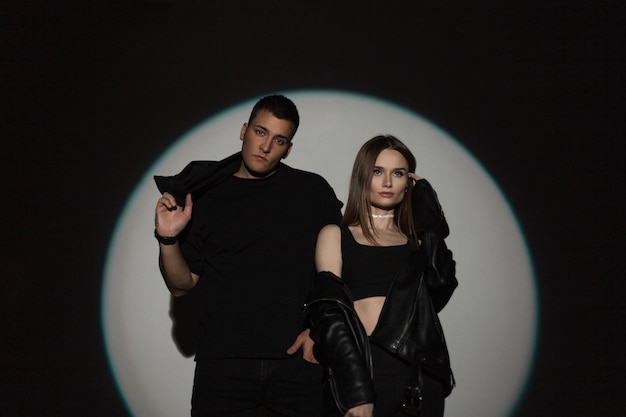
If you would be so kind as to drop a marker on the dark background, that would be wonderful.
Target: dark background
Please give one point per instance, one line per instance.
(93, 92)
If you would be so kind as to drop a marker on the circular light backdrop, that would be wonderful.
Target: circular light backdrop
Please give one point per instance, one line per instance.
(490, 322)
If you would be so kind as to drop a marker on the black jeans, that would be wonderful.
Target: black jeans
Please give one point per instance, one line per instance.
(391, 376)
(241, 387)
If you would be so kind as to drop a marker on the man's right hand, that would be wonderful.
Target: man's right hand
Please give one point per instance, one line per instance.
(169, 218)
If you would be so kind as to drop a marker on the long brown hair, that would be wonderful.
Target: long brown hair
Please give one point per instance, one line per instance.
(358, 208)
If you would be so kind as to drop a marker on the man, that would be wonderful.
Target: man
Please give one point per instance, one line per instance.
(245, 240)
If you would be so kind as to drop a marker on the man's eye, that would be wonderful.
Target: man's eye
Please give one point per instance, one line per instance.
(260, 132)
(280, 142)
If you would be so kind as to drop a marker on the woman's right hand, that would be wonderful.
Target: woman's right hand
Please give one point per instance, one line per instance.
(363, 410)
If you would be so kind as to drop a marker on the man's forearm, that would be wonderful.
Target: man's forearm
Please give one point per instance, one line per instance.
(175, 270)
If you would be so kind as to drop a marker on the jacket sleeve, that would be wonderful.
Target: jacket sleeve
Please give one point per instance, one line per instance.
(427, 212)
(197, 177)
(440, 275)
(430, 222)
(340, 342)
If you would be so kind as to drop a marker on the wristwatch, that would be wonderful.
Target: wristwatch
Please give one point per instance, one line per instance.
(165, 240)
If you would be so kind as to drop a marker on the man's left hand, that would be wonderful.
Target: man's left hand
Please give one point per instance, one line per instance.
(306, 343)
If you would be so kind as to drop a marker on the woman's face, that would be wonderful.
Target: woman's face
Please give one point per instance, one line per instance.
(390, 179)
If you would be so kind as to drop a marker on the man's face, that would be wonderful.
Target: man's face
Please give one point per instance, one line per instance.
(266, 140)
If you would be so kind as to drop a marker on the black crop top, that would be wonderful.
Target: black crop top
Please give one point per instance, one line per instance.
(369, 270)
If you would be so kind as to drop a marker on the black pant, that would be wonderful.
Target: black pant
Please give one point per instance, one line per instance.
(240, 387)
(391, 377)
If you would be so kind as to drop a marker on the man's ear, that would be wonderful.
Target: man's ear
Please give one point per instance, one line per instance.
(288, 151)
(242, 133)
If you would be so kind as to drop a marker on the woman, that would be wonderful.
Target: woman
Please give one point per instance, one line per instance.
(383, 276)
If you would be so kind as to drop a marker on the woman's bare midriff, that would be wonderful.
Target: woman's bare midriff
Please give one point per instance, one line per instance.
(368, 310)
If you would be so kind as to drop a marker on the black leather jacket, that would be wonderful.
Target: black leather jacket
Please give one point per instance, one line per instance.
(408, 325)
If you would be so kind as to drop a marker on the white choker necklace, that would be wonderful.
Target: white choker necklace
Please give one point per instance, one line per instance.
(382, 216)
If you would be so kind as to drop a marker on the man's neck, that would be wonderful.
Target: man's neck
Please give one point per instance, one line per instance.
(245, 173)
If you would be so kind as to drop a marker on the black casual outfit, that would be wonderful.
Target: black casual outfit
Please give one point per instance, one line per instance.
(407, 347)
(252, 242)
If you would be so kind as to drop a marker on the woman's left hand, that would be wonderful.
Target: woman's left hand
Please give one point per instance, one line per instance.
(414, 176)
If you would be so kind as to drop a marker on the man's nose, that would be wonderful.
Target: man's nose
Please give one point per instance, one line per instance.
(266, 146)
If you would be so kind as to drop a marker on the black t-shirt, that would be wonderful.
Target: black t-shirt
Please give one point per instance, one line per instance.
(252, 241)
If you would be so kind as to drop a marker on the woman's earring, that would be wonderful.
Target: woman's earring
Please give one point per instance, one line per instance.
(406, 189)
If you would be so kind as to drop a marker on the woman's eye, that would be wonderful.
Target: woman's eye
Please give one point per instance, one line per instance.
(399, 174)
(377, 172)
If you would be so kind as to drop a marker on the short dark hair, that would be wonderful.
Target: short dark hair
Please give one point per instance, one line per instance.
(280, 106)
